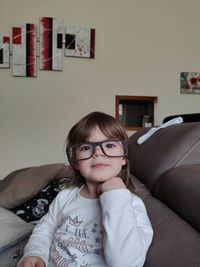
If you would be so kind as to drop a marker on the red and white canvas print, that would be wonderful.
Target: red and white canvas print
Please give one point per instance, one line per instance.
(79, 42)
(24, 50)
(51, 48)
(4, 52)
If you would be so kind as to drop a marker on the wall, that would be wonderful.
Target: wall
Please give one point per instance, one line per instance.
(141, 48)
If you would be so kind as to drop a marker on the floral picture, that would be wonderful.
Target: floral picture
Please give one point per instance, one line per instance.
(190, 82)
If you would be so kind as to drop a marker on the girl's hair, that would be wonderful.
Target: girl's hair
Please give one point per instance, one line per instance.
(111, 128)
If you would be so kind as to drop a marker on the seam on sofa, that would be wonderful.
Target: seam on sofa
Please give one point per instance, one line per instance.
(186, 154)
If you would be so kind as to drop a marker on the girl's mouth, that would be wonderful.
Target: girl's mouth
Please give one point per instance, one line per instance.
(99, 165)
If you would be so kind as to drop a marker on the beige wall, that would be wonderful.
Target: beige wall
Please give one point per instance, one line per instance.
(141, 48)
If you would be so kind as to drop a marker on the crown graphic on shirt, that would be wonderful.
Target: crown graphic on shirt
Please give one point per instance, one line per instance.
(75, 222)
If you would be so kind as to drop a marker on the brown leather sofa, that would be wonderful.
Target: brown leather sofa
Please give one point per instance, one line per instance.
(166, 170)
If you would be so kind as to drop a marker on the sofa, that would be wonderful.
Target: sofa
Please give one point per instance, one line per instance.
(166, 171)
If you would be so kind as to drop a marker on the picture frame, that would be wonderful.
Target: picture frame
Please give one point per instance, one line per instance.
(190, 82)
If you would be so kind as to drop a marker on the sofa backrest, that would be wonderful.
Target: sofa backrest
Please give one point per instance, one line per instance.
(168, 163)
(168, 148)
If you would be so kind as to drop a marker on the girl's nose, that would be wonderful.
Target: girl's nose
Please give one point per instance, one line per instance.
(98, 151)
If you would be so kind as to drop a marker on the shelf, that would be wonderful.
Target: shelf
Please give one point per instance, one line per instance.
(135, 112)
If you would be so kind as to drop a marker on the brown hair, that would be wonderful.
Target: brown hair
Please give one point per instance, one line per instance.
(111, 128)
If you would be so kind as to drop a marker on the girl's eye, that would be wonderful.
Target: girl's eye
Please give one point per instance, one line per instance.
(110, 145)
(84, 148)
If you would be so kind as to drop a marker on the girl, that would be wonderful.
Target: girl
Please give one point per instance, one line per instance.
(97, 221)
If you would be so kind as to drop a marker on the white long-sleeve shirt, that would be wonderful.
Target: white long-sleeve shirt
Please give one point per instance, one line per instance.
(111, 231)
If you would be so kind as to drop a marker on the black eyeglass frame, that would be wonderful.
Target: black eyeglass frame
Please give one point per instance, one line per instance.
(72, 159)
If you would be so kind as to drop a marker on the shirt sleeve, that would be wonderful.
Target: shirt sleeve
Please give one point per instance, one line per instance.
(128, 231)
(42, 236)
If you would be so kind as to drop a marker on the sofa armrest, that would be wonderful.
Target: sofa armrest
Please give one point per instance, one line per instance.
(175, 242)
(180, 190)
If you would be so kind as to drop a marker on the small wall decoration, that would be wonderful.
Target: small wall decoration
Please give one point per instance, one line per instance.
(4, 52)
(79, 42)
(190, 82)
(51, 44)
(24, 50)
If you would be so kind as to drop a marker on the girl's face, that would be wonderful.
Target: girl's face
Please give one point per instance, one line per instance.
(99, 167)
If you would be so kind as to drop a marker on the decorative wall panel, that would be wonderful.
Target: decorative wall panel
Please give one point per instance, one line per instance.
(5, 52)
(24, 50)
(51, 44)
(44, 47)
(79, 42)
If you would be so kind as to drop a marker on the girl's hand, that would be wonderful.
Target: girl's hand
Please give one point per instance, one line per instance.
(32, 262)
(111, 184)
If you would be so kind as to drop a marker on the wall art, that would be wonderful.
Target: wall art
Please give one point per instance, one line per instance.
(24, 50)
(51, 44)
(4, 52)
(47, 49)
(190, 82)
(79, 42)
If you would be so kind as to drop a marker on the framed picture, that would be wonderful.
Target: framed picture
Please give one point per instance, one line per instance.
(4, 52)
(79, 42)
(51, 47)
(190, 82)
(24, 50)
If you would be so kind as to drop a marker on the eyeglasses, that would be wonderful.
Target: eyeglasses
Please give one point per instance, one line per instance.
(85, 150)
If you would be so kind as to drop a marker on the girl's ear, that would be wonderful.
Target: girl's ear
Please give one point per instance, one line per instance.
(124, 161)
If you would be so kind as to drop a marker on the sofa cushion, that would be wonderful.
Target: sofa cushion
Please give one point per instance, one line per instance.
(12, 229)
(175, 243)
(167, 148)
(22, 185)
(38, 206)
(180, 190)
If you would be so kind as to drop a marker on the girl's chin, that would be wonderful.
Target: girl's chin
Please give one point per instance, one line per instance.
(102, 179)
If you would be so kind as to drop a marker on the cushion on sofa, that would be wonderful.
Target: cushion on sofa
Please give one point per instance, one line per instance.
(38, 206)
(12, 229)
(5, 181)
(22, 185)
(180, 190)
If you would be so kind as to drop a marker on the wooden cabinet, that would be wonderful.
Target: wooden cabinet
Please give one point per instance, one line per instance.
(135, 112)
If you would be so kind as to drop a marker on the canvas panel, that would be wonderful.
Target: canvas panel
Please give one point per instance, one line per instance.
(51, 44)
(79, 42)
(24, 50)
(4, 52)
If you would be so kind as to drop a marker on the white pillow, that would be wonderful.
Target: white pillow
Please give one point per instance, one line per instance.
(12, 228)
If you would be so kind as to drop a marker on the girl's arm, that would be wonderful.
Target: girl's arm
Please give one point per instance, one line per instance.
(40, 240)
(128, 232)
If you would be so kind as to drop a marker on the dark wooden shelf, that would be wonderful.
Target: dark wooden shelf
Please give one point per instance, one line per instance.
(135, 112)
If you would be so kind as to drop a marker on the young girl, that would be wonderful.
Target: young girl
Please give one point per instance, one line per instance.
(97, 221)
